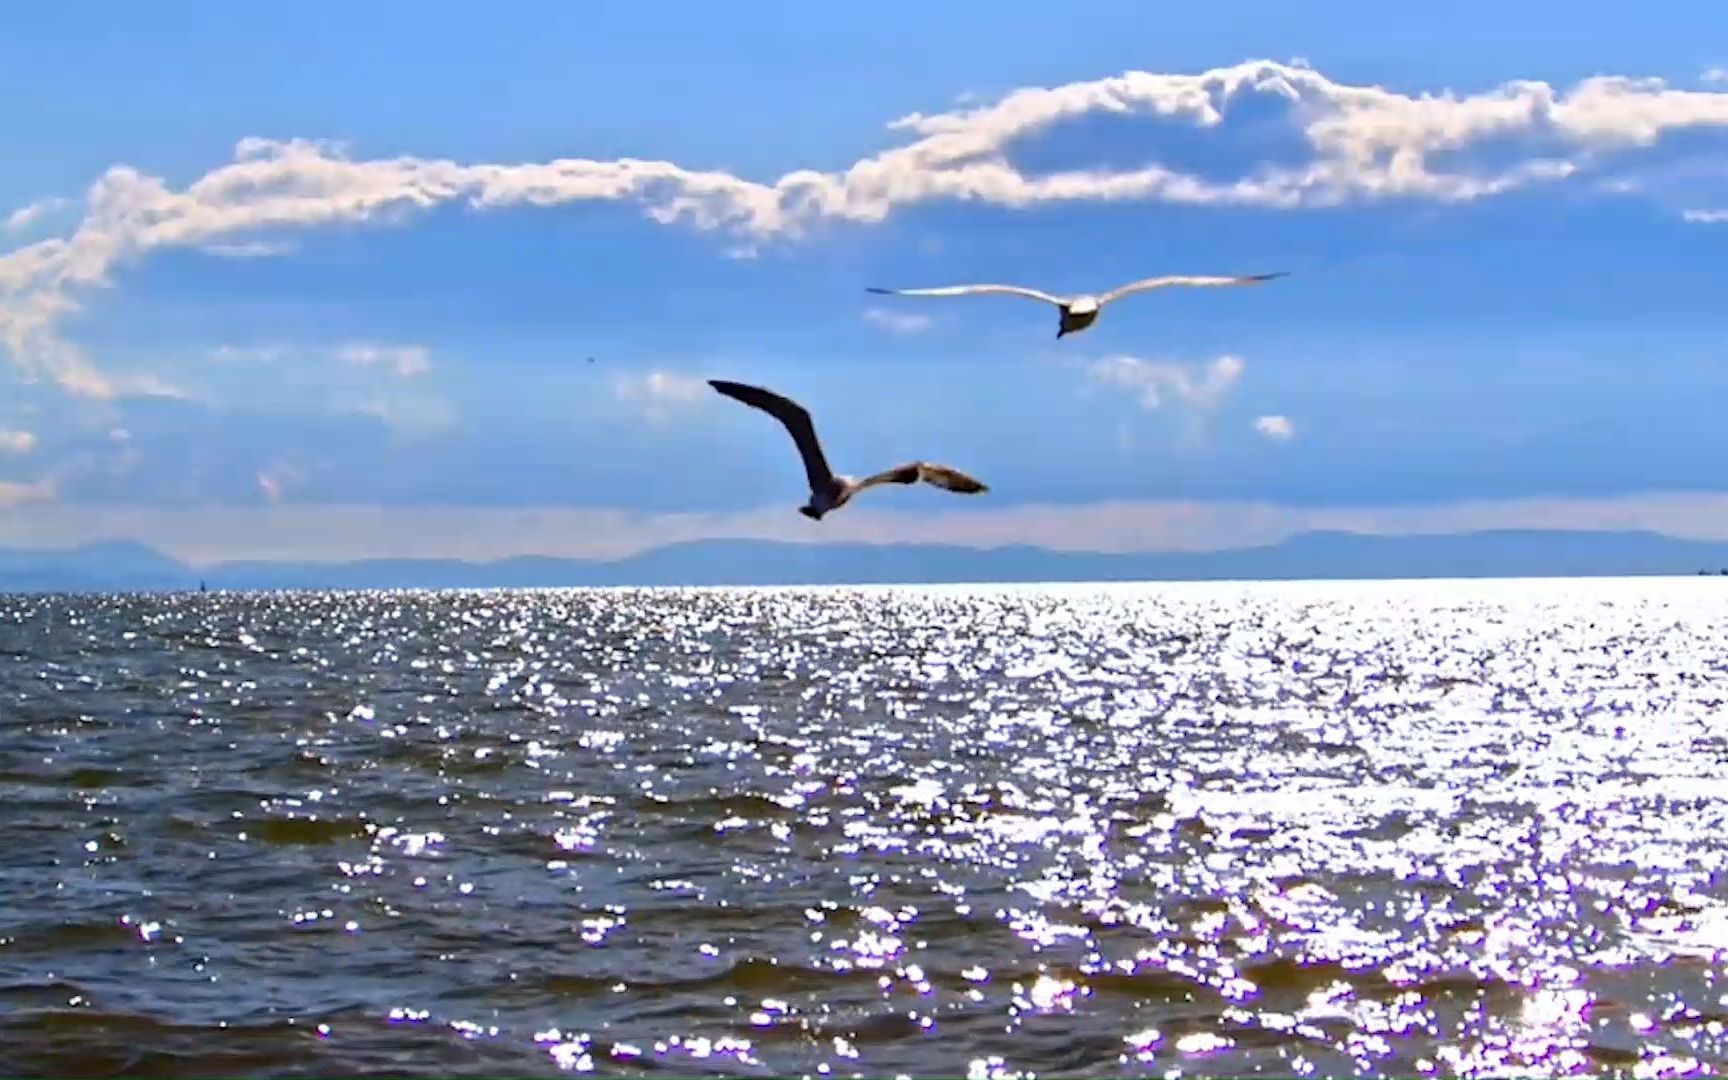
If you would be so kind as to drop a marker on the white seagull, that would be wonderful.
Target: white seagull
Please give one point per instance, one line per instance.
(1079, 312)
(829, 492)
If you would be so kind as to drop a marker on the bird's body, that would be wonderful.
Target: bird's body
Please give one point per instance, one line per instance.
(829, 491)
(1078, 312)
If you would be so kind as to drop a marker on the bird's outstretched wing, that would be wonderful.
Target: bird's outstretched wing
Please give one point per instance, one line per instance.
(949, 479)
(936, 475)
(970, 290)
(797, 422)
(899, 474)
(1177, 279)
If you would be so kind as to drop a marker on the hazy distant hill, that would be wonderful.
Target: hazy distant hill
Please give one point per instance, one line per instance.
(113, 564)
(125, 565)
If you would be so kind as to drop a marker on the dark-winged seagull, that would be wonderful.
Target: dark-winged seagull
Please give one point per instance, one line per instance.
(829, 492)
(1079, 312)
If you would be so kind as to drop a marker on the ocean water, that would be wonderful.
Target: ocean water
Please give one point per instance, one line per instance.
(1435, 828)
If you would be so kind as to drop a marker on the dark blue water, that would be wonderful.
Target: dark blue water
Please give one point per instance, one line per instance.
(1407, 829)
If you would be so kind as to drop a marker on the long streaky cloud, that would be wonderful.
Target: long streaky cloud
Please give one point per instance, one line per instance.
(1363, 142)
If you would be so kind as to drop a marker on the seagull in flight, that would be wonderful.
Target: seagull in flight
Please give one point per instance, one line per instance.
(1079, 312)
(829, 492)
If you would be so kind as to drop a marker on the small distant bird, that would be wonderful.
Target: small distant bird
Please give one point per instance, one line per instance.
(829, 492)
(1079, 312)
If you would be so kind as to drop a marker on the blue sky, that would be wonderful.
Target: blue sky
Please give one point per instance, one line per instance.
(280, 285)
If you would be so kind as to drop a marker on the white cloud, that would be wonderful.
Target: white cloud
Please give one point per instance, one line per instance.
(405, 360)
(26, 216)
(270, 486)
(14, 493)
(1363, 143)
(249, 354)
(337, 532)
(16, 442)
(1275, 427)
(47, 488)
(1706, 217)
(275, 480)
(658, 394)
(898, 322)
(1716, 76)
(249, 249)
(1199, 386)
(411, 417)
(141, 386)
(666, 386)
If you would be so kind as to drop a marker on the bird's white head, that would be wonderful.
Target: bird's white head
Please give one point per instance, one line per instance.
(1083, 305)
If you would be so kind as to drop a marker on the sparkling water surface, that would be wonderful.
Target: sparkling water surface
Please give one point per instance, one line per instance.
(1405, 828)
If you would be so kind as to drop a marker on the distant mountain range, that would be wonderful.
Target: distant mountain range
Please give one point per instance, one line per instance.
(123, 565)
